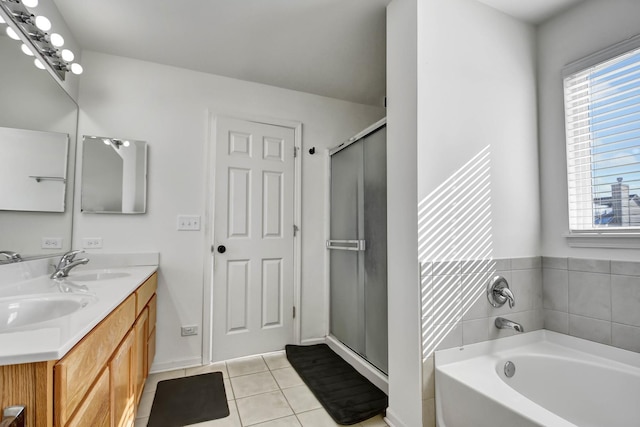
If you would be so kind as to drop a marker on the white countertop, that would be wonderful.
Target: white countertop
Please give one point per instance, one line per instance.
(52, 339)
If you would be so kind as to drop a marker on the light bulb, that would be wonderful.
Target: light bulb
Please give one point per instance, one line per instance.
(26, 50)
(106, 141)
(12, 33)
(56, 39)
(76, 68)
(126, 143)
(30, 3)
(43, 23)
(38, 63)
(67, 55)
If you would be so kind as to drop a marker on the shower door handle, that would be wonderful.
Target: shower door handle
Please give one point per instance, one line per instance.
(347, 245)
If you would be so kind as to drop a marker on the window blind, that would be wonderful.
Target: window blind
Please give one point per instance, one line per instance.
(602, 122)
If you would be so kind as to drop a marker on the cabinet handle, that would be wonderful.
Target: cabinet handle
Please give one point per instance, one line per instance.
(13, 416)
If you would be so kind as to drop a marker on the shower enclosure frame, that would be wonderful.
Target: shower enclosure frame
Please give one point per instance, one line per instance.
(366, 368)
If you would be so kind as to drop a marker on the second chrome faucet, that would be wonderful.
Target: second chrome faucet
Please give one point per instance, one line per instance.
(66, 263)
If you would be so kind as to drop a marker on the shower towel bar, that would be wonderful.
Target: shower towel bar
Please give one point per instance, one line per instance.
(346, 245)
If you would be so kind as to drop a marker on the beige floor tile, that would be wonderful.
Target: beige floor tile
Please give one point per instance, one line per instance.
(291, 421)
(144, 407)
(277, 360)
(287, 377)
(301, 399)
(262, 408)
(376, 421)
(249, 385)
(233, 420)
(214, 367)
(141, 422)
(246, 365)
(153, 379)
(316, 418)
(228, 389)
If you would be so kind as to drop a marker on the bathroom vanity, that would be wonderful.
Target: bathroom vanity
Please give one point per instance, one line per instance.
(87, 368)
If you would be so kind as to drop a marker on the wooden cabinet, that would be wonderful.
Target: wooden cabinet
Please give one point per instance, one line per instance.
(122, 368)
(76, 371)
(141, 336)
(95, 408)
(99, 381)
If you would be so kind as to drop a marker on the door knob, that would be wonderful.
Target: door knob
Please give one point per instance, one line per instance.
(222, 249)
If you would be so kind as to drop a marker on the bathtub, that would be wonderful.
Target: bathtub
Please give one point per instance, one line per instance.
(559, 381)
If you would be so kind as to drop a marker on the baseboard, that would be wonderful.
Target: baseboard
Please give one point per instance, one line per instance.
(176, 364)
(312, 341)
(392, 420)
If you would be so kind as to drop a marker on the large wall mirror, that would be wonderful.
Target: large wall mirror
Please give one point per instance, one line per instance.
(114, 175)
(33, 104)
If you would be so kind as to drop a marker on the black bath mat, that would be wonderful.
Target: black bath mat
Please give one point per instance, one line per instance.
(346, 395)
(189, 400)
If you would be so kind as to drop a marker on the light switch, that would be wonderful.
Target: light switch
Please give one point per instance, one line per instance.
(188, 222)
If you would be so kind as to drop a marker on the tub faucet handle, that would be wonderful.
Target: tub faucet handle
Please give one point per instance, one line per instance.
(498, 292)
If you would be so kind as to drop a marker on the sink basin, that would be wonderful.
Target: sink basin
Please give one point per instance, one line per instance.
(16, 312)
(101, 275)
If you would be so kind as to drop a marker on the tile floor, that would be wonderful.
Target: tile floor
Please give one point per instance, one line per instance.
(262, 391)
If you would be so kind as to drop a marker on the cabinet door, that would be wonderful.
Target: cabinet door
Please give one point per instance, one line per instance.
(140, 329)
(75, 372)
(122, 384)
(94, 410)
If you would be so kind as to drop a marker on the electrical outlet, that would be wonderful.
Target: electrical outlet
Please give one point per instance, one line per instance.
(51, 243)
(186, 331)
(91, 242)
(188, 222)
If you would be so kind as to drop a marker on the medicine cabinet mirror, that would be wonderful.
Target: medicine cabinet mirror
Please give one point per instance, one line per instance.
(114, 175)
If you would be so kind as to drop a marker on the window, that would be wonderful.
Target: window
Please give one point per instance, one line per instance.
(602, 122)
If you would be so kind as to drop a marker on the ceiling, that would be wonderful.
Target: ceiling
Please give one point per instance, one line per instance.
(531, 11)
(333, 48)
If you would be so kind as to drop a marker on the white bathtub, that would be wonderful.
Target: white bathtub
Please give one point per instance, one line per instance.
(559, 381)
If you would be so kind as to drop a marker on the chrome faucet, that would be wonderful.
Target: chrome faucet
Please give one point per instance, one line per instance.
(498, 292)
(67, 262)
(11, 256)
(502, 323)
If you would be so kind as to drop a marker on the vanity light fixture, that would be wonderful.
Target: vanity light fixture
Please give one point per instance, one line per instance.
(32, 30)
(115, 143)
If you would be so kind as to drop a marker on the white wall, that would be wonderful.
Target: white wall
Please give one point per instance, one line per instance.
(477, 156)
(477, 90)
(585, 29)
(403, 280)
(167, 107)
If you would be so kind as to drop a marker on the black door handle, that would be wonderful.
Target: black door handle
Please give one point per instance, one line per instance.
(222, 249)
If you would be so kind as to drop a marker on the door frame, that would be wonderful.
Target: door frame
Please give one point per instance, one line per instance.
(209, 160)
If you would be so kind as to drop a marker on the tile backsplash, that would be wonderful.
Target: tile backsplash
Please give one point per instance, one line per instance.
(594, 299)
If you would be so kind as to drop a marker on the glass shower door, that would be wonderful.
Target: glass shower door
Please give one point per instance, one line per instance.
(358, 248)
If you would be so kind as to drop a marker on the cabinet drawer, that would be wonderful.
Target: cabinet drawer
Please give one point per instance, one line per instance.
(95, 410)
(75, 372)
(152, 313)
(145, 292)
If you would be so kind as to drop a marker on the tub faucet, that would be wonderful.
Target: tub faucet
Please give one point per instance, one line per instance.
(66, 263)
(502, 323)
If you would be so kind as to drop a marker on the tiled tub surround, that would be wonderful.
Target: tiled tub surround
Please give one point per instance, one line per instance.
(456, 310)
(598, 300)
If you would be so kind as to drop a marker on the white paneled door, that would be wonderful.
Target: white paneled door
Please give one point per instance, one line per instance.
(253, 238)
